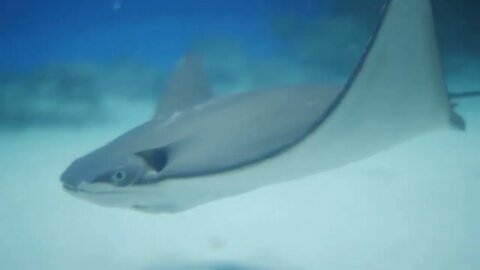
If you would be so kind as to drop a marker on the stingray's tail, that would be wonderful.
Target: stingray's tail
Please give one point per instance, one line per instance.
(455, 118)
(463, 94)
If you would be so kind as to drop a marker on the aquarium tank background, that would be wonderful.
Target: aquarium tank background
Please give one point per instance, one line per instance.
(75, 74)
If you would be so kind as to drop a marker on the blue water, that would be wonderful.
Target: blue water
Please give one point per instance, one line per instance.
(39, 32)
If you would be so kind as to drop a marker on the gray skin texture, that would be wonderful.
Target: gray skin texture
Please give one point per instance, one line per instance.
(197, 149)
(212, 137)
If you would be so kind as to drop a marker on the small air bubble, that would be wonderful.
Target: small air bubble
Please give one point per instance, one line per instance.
(117, 5)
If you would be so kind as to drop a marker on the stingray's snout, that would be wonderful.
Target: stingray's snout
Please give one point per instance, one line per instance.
(70, 179)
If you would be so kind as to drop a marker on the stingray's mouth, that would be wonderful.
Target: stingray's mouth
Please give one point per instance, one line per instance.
(77, 190)
(70, 188)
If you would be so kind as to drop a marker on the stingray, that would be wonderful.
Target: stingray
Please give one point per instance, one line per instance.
(197, 149)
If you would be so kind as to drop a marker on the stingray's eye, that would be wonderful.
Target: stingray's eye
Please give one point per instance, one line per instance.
(119, 178)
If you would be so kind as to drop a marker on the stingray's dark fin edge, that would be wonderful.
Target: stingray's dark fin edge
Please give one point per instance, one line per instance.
(398, 82)
(358, 68)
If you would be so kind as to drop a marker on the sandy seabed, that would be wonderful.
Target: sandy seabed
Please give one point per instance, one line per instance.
(415, 206)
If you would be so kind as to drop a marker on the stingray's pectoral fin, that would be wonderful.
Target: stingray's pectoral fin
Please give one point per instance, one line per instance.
(398, 89)
(156, 159)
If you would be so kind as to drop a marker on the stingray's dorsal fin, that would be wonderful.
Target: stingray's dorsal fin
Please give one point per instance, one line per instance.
(187, 87)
